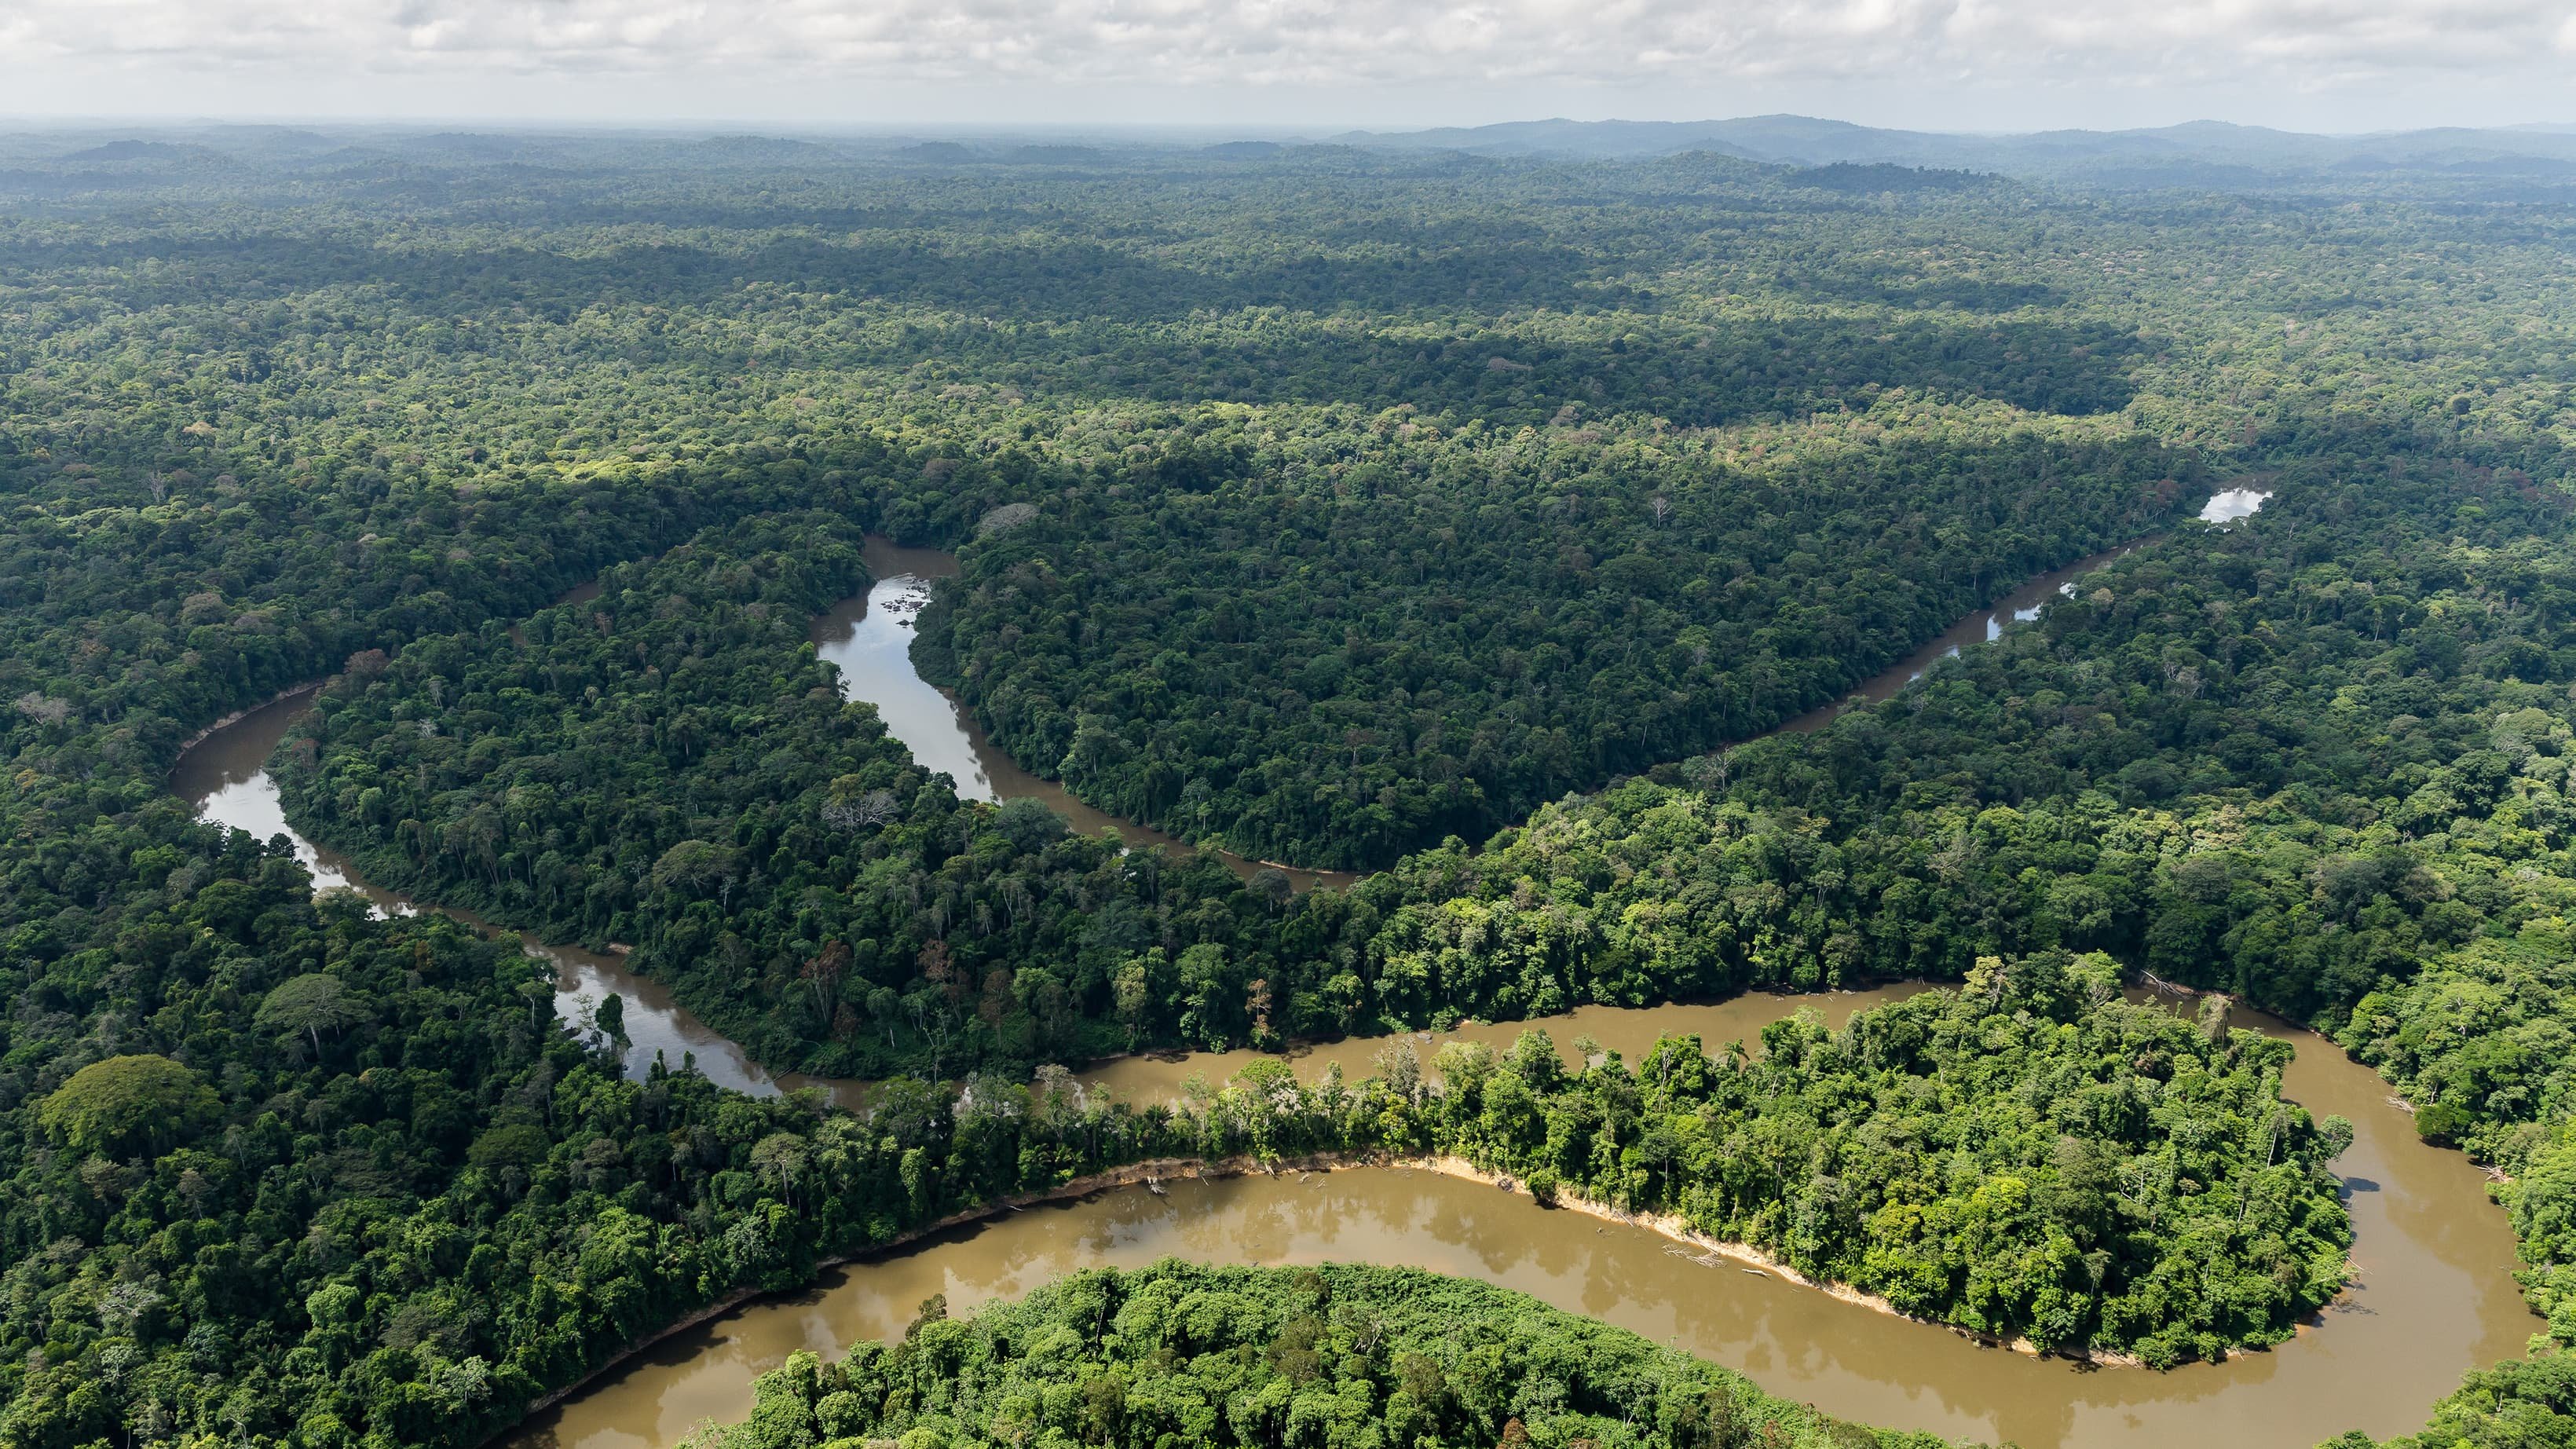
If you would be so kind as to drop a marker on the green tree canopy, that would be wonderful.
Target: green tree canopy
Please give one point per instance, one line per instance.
(125, 1103)
(311, 1004)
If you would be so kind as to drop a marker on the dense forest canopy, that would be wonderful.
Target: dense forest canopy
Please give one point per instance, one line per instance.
(1456, 515)
(1432, 644)
(666, 765)
(405, 1206)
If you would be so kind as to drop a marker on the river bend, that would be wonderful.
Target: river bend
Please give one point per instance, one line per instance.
(2434, 1295)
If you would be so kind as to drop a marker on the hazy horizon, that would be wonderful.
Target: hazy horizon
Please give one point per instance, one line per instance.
(2335, 67)
(1143, 132)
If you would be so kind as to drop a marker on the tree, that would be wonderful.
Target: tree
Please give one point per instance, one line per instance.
(693, 865)
(312, 1004)
(780, 1159)
(610, 1016)
(125, 1103)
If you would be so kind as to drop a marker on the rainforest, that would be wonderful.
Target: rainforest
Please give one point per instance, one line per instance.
(1460, 564)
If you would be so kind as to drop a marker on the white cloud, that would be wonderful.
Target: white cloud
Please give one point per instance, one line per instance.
(708, 56)
(1318, 42)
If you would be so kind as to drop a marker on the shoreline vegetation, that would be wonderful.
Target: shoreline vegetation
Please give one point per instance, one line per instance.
(245, 712)
(1679, 1230)
(1671, 1226)
(1141, 1174)
(814, 1187)
(717, 561)
(1221, 1356)
(1106, 1180)
(1891, 1309)
(1345, 506)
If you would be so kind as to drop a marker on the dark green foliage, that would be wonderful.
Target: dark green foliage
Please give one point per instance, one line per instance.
(2046, 793)
(1332, 666)
(2009, 1158)
(257, 586)
(1342, 1356)
(667, 765)
(2529, 1404)
(264, 421)
(2226, 760)
(451, 1207)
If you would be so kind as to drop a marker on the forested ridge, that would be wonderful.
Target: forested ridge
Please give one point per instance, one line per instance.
(283, 1173)
(666, 765)
(1435, 640)
(2215, 682)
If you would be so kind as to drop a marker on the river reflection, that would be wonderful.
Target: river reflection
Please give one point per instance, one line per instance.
(1985, 626)
(2434, 1299)
(2434, 1296)
(1630, 1032)
(869, 639)
(2021, 606)
(225, 777)
(2231, 504)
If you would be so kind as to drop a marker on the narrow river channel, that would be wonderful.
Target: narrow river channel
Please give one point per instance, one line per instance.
(2434, 1296)
(869, 639)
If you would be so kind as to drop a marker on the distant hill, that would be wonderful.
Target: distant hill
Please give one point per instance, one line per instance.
(1054, 156)
(2195, 152)
(1801, 140)
(274, 141)
(470, 143)
(1861, 178)
(2534, 162)
(763, 148)
(135, 151)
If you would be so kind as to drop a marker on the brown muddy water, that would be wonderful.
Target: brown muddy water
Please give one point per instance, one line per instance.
(1628, 1031)
(2433, 1297)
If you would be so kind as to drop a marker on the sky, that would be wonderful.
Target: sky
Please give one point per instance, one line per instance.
(1297, 65)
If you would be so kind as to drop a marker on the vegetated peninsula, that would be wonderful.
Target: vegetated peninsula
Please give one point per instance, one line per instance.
(1252, 1356)
(2028, 1159)
(1459, 517)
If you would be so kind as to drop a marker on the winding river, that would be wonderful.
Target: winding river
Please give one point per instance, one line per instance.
(2433, 1298)
(869, 638)
(225, 776)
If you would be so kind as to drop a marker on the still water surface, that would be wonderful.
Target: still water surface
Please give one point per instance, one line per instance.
(2231, 504)
(225, 776)
(2434, 1295)
(869, 638)
(2021, 606)
(2434, 1298)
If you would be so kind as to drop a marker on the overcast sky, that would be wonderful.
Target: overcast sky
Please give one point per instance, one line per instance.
(2338, 65)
